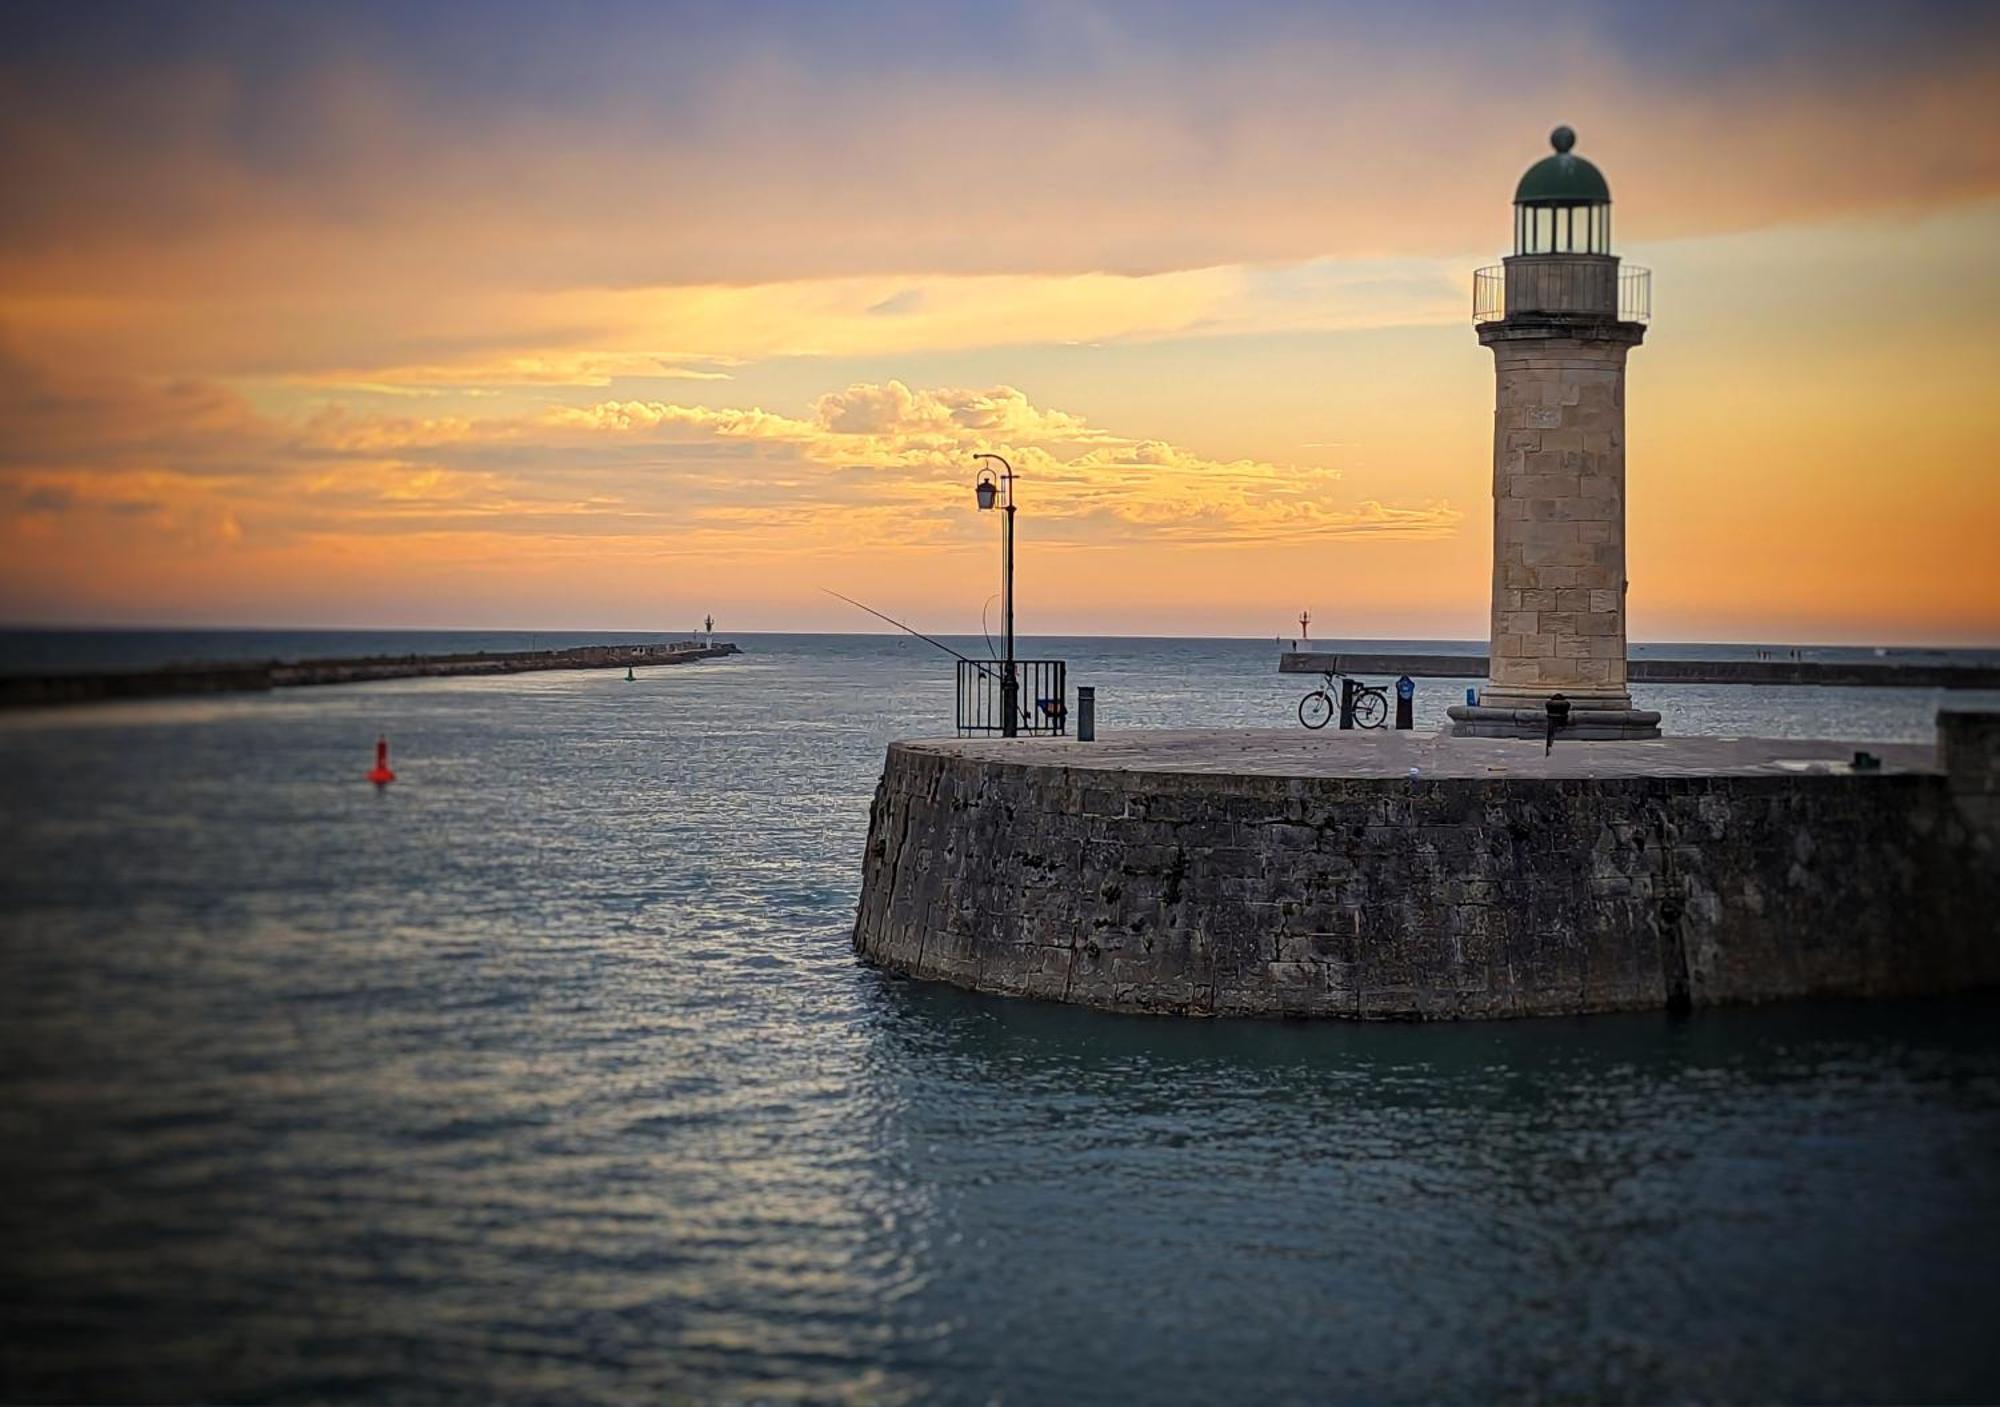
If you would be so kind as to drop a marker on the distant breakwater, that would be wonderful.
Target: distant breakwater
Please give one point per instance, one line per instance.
(1890, 674)
(249, 676)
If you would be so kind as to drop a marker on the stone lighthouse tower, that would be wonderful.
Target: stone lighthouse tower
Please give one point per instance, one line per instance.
(1560, 316)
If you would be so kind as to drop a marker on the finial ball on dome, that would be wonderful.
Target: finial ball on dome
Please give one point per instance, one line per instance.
(1562, 139)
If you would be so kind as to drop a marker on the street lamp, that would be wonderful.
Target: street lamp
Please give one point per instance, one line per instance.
(987, 490)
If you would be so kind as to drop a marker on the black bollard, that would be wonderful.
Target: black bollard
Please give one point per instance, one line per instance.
(1406, 702)
(1086, 713)
(1348, 688)
(1558, 711)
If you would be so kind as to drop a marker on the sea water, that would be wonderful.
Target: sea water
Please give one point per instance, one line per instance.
(547, 1073)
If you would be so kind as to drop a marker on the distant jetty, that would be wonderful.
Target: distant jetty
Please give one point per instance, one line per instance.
(1883, 674)
(42, 690)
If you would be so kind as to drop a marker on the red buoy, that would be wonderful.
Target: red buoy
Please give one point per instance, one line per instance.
(381, 776)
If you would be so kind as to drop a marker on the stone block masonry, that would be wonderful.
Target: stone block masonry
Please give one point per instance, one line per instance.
(1559, 514)
(1259, 874)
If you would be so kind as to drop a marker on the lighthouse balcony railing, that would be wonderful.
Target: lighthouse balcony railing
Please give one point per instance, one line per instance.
(1562, 285)
(1635, 294)
(1041, 707)
(1489, 294)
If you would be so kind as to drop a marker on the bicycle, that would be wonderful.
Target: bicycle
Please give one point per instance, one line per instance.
(1371, 704)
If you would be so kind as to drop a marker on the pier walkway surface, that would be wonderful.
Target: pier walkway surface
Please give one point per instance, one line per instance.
(1886, 674)
(1375, 755)
(42, 690)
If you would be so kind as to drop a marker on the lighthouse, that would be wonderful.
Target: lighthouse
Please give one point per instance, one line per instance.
(1560, 316)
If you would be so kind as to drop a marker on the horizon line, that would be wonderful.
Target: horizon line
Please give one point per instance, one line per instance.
(127, 628)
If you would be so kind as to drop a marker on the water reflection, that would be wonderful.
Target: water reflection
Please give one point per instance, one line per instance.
(1631, 1207)
(549, 1074)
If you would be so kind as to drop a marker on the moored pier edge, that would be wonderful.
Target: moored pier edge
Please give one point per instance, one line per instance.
(1886, 674)
(1235, 893)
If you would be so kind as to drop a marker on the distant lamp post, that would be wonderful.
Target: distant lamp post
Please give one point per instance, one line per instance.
(987, 490)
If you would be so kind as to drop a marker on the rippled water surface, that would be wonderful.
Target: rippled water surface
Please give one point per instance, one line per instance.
(547, 1074)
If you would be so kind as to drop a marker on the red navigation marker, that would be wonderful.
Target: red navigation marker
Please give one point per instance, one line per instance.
(381, 776)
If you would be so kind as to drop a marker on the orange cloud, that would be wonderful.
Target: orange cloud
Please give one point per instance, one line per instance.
(173, 476)
(311, 333)
(500, 242)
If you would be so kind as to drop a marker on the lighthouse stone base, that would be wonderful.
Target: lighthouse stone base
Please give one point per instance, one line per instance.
(1585, 723)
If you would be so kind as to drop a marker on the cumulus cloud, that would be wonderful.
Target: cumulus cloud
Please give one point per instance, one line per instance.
(945, 416)
(909, 450)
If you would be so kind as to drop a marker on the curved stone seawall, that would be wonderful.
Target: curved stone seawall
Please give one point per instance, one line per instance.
(1026, 869)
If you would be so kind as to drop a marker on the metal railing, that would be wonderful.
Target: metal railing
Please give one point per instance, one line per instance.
(1635, 294)
(1554, 285)
(1041, 700)
(1489, 294)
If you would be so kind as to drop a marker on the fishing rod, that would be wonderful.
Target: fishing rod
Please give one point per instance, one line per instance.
(904, 628)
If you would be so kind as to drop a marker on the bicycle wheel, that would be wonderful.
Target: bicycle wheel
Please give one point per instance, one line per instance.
(1371, 708)
(1316, 708)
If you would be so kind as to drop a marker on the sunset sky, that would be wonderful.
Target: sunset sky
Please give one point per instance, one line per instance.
(606, 317)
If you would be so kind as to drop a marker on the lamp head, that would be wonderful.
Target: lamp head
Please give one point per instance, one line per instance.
(986, 490)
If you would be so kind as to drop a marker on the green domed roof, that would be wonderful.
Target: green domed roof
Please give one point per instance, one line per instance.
(1562, 179)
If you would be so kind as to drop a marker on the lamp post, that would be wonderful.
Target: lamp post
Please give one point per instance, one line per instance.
(987, 489)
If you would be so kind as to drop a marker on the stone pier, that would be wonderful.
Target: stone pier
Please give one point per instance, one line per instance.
(1395, 875)
(1389, 875)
